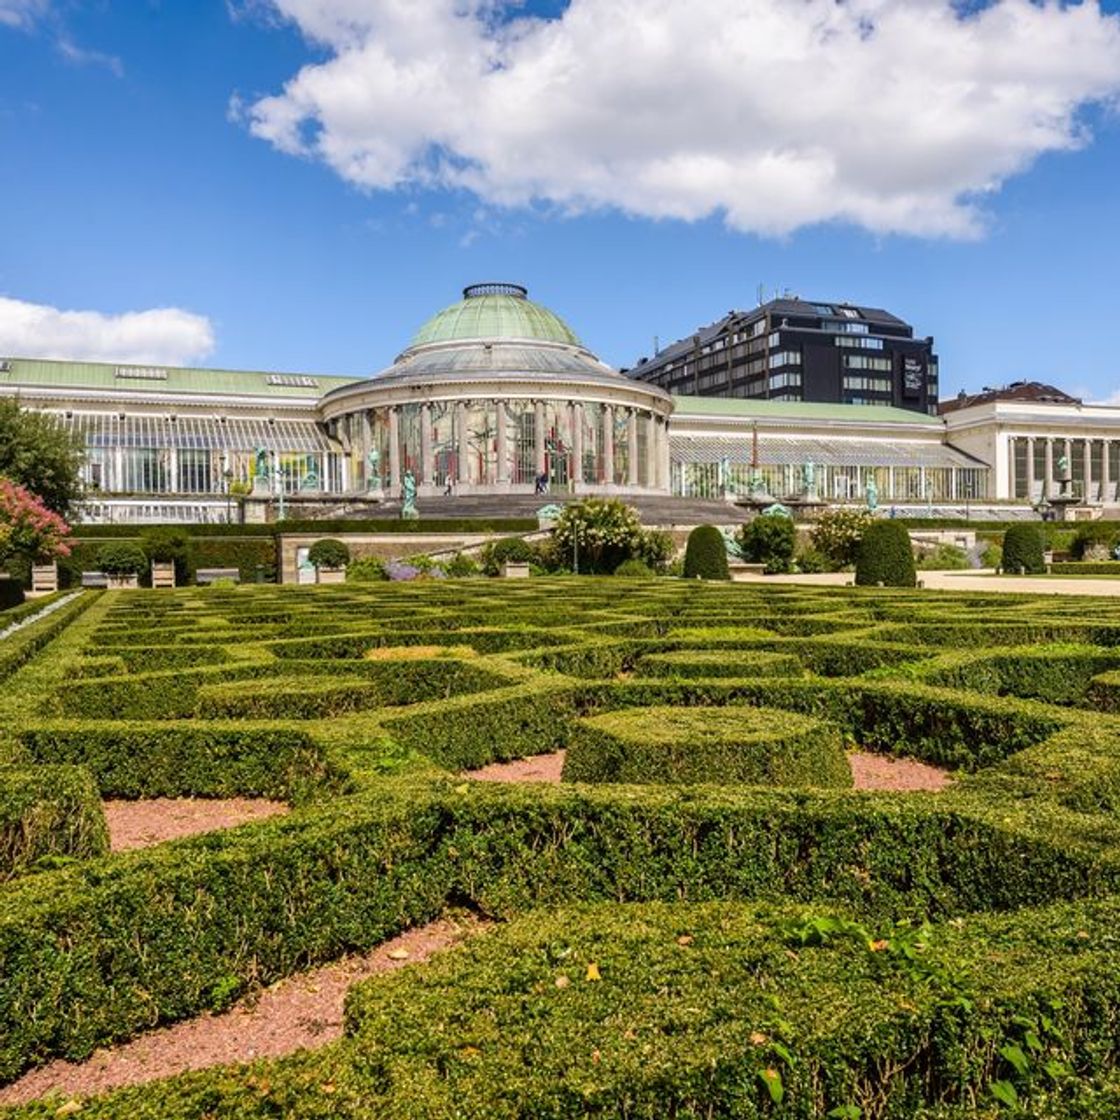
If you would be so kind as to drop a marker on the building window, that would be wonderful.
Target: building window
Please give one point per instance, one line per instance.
(861, 343)
(785, 358)
(863, 361)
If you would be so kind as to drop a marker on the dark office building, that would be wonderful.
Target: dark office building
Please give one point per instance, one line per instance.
(800, 350)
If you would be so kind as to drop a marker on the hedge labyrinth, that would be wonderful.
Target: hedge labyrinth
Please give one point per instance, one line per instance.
(704, 919)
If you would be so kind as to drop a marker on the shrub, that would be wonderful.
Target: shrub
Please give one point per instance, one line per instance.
(461, 566)
(812, 560)
(121, 558)
(11, 595)
(369, 569)
(603, 531)
(837, 532)
(991, 556)
(656, 549)
(510, 549)
(634, 569)
(165, 545)
(705, 555)
(1023, 551)
(769, 539)
(943, 557)
(329, 553)
(1093, 541)
(28, 527)
(885, 557)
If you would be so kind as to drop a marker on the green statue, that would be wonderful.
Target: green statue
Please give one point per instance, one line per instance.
(409, 512)
(373, 473)
(261, 468)
(872, 494)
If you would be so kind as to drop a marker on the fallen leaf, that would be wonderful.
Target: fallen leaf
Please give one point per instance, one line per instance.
(595, 1056)
(398, 954)
(593, 972)
(759, 1039)
(562, 981)
(685, 939)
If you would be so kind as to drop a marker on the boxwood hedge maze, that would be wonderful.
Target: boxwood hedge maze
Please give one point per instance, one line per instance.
(704, 919)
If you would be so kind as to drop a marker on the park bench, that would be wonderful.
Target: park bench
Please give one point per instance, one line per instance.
(95, 579)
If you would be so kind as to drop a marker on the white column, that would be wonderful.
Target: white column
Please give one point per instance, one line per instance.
(427, 463)
(577, 442)
(538, 435)
(464, 443)
(1011, 467)
(1106, 472)
(651, 451)
(394, 448)
(1087, 451)
(502, 420)
(172, 471)
(608, 444)
(1048, 483)
(1030, 468)
(632, 451)
(367, 445)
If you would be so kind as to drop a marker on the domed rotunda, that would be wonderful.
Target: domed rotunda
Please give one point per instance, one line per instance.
(496, 394)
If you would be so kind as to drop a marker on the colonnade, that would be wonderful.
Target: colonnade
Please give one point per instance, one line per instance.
(1094, 482)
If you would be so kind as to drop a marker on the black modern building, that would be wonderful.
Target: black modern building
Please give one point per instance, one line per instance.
(800, 350)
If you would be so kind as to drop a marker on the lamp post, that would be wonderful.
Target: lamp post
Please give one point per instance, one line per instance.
(278, 483)
(227, 478)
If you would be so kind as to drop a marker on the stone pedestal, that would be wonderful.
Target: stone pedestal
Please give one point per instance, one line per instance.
(330, 575)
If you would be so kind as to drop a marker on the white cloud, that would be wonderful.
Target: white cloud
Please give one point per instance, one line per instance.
(21, 13)
(162, 336)
(896, 115)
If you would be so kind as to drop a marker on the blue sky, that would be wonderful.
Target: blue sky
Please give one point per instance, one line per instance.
(144, 171)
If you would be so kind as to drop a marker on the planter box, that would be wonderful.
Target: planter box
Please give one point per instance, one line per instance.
(44, 577)
(163, 575)
(122, 583)
(515, 569)
(330, 575)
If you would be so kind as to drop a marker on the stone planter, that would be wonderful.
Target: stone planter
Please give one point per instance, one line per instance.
(330, 575)
(515, 569)
(44, 577)
(163, 574)
(123, 582)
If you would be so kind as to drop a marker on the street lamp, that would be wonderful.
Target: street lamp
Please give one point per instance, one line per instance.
(227, 478)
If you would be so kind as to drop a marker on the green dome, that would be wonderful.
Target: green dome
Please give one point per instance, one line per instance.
(494, 311)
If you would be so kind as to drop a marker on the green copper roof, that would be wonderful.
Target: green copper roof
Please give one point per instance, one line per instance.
(799, 410)
(49, 374)
(495, 311)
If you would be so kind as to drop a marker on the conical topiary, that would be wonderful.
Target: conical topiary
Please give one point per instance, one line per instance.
(884, 556)
(1023, 551)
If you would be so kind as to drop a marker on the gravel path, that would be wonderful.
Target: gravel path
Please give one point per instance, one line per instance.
(869, 771)
(300, 1012)
(139, 824)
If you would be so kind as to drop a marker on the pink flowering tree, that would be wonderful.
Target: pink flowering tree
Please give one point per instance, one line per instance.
(28, 528)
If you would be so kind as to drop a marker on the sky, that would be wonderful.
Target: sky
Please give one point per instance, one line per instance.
(298, 184)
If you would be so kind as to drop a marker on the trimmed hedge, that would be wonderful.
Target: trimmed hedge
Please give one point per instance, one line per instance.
(705, 554)
(11, 596)
(1086, 568)
(884, 556)
(1023, 551)
(749, 746)
(49, 813)
(718, 663)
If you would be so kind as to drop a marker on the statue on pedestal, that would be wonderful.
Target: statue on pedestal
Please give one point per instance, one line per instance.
(409, 512)
(373, 470)
(262, 480)
(809, 480)
(872, 494)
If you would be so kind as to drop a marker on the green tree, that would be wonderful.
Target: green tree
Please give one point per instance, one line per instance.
(39, 452)
(769, 539)
(1023, 551)
(705, 555)
(885, 556)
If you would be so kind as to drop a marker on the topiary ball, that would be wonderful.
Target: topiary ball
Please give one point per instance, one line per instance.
(1023, 551)
(884, 556)
(329, 553)
(705, 555)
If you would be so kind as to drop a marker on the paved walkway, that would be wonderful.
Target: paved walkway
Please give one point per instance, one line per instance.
(977, 580)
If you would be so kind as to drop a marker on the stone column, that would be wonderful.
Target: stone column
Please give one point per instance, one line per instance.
(395, 449)
(464, 443)
(172, 471)
(1048, 483)
(632, 452)
(1087, 451)
(1011, 441)
(502, 420)
(427, 462)
(1106, 472)
(538, 435)
(608, 444)
(577, 442)
(367, 445)
(1030, 468)
(651, 451)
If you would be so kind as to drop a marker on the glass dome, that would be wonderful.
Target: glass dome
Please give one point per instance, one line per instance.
(494, 311)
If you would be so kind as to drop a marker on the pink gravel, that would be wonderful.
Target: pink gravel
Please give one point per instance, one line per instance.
(869, 771)
(140, 824)
(301, 1012)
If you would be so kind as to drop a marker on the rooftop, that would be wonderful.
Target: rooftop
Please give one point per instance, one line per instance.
(735, 408)
(495, 311)
(1035, 391)
(38, 373)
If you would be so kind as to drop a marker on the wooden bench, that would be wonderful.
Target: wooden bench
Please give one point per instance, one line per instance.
(44, 577)
(206, 576)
